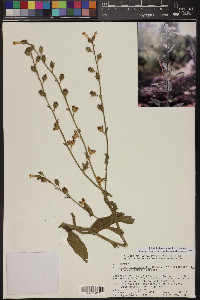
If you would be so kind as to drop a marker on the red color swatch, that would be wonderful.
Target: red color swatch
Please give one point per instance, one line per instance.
(77, 4)
(24, 4)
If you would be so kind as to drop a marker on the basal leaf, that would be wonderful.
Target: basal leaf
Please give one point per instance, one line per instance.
(77, 245)
(102, 223)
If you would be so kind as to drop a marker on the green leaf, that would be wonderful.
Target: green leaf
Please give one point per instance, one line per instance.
(77, 245)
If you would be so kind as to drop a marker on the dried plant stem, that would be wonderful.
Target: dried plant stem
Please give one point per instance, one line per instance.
(101, 223)
(67, 195)
(87, 230)
(75, 123)
(107, 145)
(104, 117)
(54, 115)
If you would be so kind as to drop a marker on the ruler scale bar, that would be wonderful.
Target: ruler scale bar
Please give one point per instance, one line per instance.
(125, 6)
(147, 9)
(157, 4)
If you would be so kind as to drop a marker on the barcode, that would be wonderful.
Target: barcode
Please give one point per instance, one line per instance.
(92, 289)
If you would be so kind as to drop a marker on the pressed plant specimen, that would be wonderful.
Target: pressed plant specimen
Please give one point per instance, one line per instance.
(166, 67)
(113, 220)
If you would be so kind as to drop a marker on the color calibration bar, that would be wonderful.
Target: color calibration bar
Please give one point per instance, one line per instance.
(70, 8)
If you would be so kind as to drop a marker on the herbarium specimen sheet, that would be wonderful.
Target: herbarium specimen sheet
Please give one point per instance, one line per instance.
(104, 184)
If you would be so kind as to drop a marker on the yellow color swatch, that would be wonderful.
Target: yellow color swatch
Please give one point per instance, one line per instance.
(31, 4)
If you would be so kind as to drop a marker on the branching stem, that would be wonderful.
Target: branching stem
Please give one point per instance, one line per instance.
(75, 123)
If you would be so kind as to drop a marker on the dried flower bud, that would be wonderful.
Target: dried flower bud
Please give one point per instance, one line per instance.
(97, 76)
(99, 179)
(74, 109)
(100, 107)
(82, 202)
(41, 49)
(52, 65)
(41, 173)
(16, 43)
(43, 179)
(65, 92)
(91, 70)
(94, 35)
(23, 42)
(38, 58)
(93, 94)
(56, 182)
(42, 93)
(65, 190)
(71, 143)
(33, 69)
(85, 165)
(61, 77)
(43, 58)
(56, 126)
(88, 49)
(91, 151)
(55, 105)
(75, 136)
(99, 56)
(28, 51)
(85, 34)
(100, 128)
(44, 77)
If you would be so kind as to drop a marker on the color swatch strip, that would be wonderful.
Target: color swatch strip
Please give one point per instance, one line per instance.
(71, 8)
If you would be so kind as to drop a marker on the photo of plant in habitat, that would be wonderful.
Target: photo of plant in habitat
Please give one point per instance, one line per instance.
(166, 64)
(43, 70)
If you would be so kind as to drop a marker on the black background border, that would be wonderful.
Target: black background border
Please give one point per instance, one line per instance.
(197, 138)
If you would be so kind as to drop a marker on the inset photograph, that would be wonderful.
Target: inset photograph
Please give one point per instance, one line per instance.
(166, 64)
